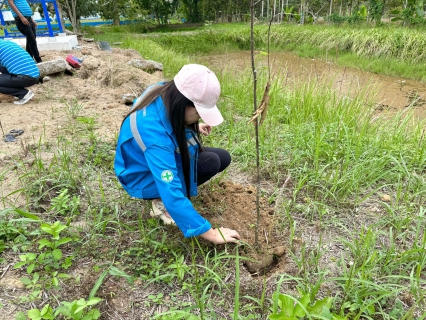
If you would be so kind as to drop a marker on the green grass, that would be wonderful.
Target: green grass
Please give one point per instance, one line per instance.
(385, 50)
(347, 241)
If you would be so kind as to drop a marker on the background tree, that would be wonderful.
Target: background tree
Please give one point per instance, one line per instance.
(213, 9)
(161, 9)
(191, 9)
(75, 9)
(113, 9)
(375, 10)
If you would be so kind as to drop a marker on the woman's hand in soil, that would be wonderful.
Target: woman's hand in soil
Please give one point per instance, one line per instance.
(204, 129)
(221, 235)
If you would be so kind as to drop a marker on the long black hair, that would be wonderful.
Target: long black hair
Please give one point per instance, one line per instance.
(176, 104)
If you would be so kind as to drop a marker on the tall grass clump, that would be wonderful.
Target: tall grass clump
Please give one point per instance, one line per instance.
(387, 42)
(397, 51)
(384, 42)
(335, 145)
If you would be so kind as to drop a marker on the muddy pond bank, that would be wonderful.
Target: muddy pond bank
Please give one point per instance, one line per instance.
(393, 94)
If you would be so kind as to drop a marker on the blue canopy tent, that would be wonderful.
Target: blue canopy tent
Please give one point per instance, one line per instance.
(49, 32)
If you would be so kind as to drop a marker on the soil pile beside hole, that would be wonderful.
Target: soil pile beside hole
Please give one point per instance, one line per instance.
(234, 206)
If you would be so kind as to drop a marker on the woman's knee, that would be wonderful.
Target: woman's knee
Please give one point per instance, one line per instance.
(208, 163)
(225, 159)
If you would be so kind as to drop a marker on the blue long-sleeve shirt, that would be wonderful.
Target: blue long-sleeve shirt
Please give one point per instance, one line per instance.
(157, 172)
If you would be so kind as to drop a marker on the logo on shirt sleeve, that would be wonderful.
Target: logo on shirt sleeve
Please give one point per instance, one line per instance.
(167, 176)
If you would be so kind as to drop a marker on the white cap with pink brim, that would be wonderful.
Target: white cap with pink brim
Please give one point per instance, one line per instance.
(200, 85)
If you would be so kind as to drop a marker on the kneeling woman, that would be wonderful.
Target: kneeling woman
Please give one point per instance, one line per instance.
(159, 156)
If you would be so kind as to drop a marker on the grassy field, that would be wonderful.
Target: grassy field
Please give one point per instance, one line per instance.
(385, 50)
(359, 179)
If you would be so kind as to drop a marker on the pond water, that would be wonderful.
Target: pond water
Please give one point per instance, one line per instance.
(392, 93)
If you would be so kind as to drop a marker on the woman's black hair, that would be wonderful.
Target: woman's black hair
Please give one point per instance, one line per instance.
(176, 104)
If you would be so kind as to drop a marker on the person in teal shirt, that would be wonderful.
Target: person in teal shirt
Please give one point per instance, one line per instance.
(18, 71)
(22, 13)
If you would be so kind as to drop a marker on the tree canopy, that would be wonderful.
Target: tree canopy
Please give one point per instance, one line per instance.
(300, 11)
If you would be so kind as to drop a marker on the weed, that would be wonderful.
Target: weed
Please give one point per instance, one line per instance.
(73, 108)
(294, 308)
(64, 204)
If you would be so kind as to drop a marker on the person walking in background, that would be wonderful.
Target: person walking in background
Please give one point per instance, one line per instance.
(22, 13)
(159, 155)
(18, 70)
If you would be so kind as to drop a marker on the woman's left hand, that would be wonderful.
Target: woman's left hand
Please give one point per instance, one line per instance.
(204, 129)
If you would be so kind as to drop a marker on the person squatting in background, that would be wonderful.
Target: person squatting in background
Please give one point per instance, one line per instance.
(22, 13)
(18, 70)
(159, 156)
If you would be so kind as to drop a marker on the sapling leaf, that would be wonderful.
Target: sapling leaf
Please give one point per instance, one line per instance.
(43, 243)
(41, 257)
(25, 280)
(63, 310)
(19, 264)
(63, 241)
(34, 314)
(47, 312)
(46, 228)
(35, 294)
(92, 314)
(80, 309)
(74, 305)
(58, 227)
(57, 254)
(30, 268)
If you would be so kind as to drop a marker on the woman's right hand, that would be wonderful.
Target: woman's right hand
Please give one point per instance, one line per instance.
(25, 21)
(221, 235)
(204, 129)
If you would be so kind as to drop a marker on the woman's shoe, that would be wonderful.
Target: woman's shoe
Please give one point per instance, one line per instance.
(159, 210)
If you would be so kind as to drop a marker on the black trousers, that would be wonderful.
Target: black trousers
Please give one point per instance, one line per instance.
(30, 34)
(14, 85)
(210, 162)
